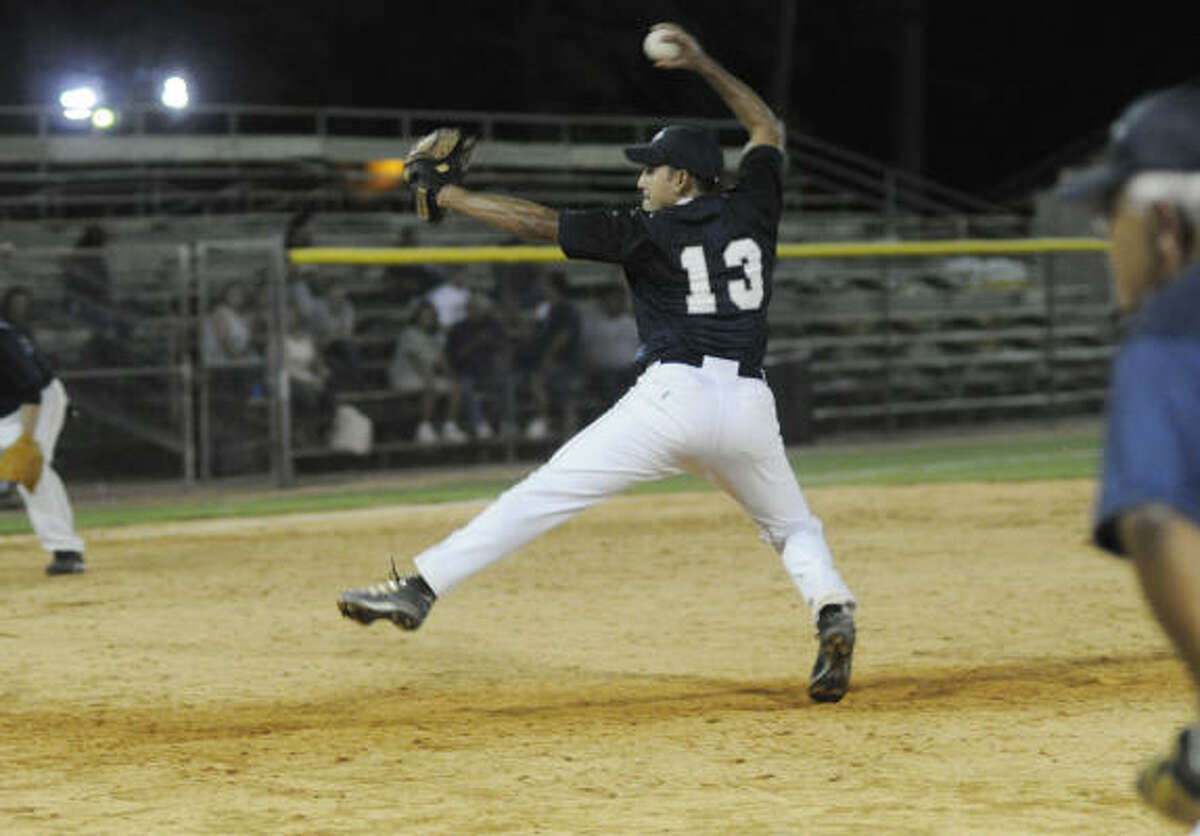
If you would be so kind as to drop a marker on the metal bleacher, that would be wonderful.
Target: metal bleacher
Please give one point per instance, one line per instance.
(860, 344)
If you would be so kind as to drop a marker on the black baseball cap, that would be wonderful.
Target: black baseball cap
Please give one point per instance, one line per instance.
(1158, 132)
(682, 146)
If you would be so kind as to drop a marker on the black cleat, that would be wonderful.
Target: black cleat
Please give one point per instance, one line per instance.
(403, 601)
(831, 673)
(1171, 784)
(66, 563)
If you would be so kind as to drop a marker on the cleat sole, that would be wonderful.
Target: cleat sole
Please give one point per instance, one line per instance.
(353, 611)
(365, 615)
(833, 685)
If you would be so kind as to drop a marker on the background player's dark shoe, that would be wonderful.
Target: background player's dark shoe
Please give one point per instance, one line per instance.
(403, 601)
(831, 673)
(1171, 784)
(66, 563)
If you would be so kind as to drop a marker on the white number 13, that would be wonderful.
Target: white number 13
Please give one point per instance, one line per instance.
(746, 293)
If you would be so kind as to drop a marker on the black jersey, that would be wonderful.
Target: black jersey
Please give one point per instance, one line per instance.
(701, 272)
(23, 370)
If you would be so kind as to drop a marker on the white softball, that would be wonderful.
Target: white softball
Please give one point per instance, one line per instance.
(658, 48)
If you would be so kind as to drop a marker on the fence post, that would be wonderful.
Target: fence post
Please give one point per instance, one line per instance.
(1046, 263)
(186, 376)
(281, 412)
(187, 370)
(889, 367)
(204, 438)
(889, 184)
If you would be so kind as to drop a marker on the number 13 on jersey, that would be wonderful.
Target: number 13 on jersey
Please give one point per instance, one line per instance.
(745, 291)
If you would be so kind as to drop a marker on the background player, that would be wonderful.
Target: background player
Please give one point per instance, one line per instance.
(33, 404)
(700, 267)
(1149, 504)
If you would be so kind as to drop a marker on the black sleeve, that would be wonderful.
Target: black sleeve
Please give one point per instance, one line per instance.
(599, 234)
(23, 373)
(760, 183)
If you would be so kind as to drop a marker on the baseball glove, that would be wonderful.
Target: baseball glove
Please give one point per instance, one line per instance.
(437, 159)
(22, 462)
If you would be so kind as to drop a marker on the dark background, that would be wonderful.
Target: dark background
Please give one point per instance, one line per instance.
(970, 93)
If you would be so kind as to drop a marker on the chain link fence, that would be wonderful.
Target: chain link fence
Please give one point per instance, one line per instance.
(167, 385)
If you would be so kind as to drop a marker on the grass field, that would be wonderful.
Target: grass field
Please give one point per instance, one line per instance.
(1069, 453)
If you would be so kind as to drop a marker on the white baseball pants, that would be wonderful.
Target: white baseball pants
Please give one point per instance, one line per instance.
(706, 420)
(48, 507)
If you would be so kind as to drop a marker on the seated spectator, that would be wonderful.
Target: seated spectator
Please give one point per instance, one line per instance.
(610, 341)
(228, 336)
(419, 365)
(450, 297)
(228, 339)
(307, 374)
(304, 282)
(337, 339)
(549, 360)
(326, 309)
(475, 348)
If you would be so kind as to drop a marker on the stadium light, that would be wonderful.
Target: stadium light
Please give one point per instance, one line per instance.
(78, 102)
(175, 92)
(103, 118)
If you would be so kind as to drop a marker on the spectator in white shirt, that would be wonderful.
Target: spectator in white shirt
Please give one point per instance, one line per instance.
(419, 366)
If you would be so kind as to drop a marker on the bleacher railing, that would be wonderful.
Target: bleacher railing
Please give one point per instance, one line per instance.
(887, 334)
(144, 163)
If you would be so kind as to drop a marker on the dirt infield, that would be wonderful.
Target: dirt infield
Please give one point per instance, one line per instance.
(640, 670)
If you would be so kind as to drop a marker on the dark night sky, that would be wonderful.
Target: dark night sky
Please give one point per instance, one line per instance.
(1005, 84)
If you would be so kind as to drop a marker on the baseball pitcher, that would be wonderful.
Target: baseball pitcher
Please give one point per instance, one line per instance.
(700, 264)
(33, 404)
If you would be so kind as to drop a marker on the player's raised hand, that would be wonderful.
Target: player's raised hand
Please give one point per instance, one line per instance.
(690, 52)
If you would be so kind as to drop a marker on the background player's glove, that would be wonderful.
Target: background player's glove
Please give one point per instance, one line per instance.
(22, 462)
(437, 159)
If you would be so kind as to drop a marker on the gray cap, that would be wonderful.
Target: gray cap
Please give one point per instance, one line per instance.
(1158, 132)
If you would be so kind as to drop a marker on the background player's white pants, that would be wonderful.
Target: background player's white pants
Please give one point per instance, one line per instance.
(706, 420)
(48, 507)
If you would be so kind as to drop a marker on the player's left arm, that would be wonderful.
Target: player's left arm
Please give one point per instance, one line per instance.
(522, 218)
(22, 460)
(1156, 531)
(759, 120)
(1165, 548)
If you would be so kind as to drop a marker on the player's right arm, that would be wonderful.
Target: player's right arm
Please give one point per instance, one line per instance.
(749, 108)
(522, 218)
